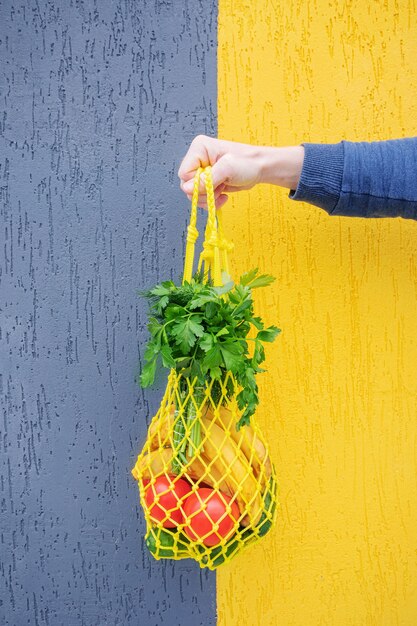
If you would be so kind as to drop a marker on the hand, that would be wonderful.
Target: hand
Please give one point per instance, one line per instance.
(238, 166)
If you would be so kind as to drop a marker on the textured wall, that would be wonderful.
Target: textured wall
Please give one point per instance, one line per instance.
(340, 398)
(98, 101)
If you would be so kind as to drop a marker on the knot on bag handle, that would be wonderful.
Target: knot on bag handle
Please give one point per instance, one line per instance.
(215, 246)
(192, 234)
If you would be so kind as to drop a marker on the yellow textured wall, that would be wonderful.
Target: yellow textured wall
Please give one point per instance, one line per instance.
(339, 403)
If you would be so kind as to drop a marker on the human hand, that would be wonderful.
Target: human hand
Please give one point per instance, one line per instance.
(238, 166)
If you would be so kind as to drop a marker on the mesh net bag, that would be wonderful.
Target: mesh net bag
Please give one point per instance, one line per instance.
(207, 488)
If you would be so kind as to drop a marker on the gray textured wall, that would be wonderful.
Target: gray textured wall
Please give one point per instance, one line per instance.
(98, 101)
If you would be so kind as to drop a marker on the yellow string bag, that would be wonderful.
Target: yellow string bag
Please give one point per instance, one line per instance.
(207, 489)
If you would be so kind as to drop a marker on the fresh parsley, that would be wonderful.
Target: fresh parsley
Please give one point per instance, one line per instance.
(203, 331)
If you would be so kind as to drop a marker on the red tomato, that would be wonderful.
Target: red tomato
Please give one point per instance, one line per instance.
(164, 499)
(206, 516)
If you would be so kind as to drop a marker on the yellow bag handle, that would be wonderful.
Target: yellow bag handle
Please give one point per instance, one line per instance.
(215, 246)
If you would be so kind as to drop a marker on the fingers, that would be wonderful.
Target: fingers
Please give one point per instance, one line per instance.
(202, 199)
(221, 200)
(197, 156)
(223, 188)
(221, 171)
(205, 151)
(217, 191)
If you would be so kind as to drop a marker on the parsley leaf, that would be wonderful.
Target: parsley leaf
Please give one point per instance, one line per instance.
(147, 376)
(269, 334)
(186, 331)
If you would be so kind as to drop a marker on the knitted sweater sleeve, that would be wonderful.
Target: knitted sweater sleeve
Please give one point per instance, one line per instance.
(361, 179)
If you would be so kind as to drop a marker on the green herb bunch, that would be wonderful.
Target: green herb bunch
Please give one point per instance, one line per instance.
(203, 331)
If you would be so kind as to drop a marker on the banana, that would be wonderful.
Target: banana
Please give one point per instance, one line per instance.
(159, 432)
(247, 440)
(215, 478)
(229, 460)
(154, 463)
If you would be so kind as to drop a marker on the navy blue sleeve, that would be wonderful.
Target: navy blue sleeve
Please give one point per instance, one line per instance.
(361, 179)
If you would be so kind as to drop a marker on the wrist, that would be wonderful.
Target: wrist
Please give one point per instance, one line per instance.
(281, 166)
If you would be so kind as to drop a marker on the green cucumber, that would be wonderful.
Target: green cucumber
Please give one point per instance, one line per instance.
(165, 544)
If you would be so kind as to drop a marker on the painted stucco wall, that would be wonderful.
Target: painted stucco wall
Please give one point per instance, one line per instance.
(339, 402)
(98, 101)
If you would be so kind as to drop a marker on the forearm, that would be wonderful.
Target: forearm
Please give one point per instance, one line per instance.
(375, 179)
